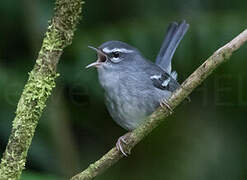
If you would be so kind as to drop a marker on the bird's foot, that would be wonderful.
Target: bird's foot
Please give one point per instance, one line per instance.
(163, 103)
(120, 142)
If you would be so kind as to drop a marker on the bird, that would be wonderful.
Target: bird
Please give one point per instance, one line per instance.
(134, 86)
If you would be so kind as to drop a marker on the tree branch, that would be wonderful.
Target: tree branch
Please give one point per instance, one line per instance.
(194, 80)
(39, 87)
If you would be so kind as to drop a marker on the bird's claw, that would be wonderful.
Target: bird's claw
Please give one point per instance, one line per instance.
(120, 143)
(163, 103)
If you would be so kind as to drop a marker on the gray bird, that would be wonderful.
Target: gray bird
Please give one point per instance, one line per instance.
(134, 86)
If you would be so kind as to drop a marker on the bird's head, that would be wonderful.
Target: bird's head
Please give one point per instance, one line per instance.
(113, 53)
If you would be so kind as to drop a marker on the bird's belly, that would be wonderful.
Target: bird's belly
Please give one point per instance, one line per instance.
(130, 111)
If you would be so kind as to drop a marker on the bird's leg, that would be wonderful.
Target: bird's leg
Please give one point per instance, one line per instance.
(163, 103)
(122, 140)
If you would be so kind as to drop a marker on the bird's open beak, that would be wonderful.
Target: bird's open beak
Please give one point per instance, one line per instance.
(102, 57)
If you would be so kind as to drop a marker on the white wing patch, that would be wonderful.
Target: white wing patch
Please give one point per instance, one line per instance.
(155, 77)
(159, 80)
(174, 75)
(107, 50)
(165, 82)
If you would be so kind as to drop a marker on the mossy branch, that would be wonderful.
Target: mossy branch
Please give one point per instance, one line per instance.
(39, 87)
(194, 80)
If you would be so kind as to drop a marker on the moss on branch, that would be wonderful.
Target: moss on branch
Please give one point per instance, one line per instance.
(39, 87)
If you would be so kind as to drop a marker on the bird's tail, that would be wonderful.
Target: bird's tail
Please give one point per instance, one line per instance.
(174, 34)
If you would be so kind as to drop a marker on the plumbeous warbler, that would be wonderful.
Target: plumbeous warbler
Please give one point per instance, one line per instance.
(134, 86)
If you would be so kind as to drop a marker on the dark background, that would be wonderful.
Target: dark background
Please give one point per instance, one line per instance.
(205, 139)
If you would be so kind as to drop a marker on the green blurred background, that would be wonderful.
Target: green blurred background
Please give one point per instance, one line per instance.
(205, 139)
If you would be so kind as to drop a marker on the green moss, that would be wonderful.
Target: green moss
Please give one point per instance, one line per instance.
(29, 110)
(35, 94)
(39, 87)
(53, 41)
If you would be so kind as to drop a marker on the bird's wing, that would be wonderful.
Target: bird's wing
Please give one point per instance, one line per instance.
(174, 34)
(164, 81)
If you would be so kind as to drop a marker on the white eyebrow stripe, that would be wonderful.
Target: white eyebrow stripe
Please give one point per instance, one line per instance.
(106, 50)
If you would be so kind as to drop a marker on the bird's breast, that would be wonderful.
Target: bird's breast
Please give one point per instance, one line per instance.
(128, 98)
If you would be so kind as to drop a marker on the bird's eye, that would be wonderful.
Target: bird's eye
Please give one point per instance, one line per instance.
(115, 54)
(115, 57)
